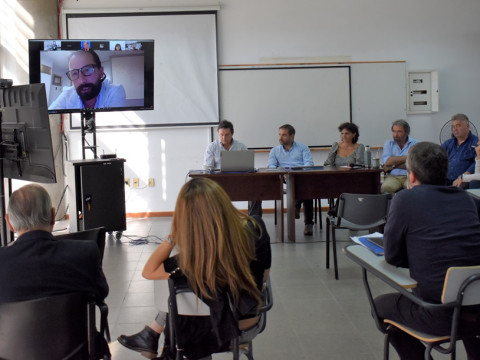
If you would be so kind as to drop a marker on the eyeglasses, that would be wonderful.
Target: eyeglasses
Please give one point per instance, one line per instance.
(86, 70)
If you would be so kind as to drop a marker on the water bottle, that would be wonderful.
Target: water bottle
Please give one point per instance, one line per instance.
(368, 157)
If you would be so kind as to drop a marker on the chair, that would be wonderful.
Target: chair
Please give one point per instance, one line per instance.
(461, 288)
(49, 328)
(355, 212)
(237, 347)
(97, 235)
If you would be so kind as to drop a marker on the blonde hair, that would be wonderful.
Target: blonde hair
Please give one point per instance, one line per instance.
(215, 243)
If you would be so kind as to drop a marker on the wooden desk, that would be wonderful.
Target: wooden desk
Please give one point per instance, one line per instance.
(325, 183)
(264, 184)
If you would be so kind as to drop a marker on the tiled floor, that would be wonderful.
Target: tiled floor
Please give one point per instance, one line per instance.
(313, 317)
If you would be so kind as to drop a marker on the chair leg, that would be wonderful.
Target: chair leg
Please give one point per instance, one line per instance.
(334, 250)
(327, 248)
(275, 212)
(386, 346)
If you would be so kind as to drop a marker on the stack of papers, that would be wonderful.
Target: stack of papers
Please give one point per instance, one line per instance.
(368, 242)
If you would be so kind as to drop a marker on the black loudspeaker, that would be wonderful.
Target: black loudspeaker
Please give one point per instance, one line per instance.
(99, 195)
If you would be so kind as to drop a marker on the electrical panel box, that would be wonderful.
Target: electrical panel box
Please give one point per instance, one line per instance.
(422, 92)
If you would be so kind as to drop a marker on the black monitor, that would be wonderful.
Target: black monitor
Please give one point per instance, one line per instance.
(26, 143)
(125, 75)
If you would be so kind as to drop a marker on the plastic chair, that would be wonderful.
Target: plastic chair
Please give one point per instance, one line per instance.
(237, 346)
(461, 288)
(48, 328)
(355, 212)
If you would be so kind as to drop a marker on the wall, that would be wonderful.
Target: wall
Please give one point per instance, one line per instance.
(431, 34)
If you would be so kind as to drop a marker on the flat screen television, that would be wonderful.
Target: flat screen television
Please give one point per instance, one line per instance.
(121, 78)
(26, 143)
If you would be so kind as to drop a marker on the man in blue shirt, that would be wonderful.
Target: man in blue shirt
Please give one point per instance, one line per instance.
(289, 154)
(394, 157)
(460, 149)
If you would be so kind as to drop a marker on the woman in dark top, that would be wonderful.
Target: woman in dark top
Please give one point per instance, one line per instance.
(218, 248)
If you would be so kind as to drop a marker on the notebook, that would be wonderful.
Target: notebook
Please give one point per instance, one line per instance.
(374, 244)
(237, 160)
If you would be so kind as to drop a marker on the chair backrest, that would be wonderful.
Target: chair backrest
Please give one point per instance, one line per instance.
(48, 328)
(363, 209)
(96, 234)
(466, 279)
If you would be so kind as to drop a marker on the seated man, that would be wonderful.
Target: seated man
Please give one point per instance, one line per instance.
(430, 228)
(394, 155)
(226, 142)
(37, 265)
(461, 150)
(289, 154)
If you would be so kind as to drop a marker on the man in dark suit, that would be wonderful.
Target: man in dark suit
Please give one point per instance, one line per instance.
(36, 264)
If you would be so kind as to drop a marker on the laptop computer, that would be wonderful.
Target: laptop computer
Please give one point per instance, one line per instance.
(237, 160)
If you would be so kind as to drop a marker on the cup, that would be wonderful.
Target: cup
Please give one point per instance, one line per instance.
(375, 163)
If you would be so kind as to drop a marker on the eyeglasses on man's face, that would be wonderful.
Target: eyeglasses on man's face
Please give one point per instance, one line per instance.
(86, 70)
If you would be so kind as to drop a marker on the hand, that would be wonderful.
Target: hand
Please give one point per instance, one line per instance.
(477, 150)
(457, 182)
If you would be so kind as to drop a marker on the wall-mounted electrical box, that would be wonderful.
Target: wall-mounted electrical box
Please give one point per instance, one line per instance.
(422, 92)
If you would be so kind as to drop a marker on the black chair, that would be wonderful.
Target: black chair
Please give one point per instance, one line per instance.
(97, 235)
(356, 212)
(50, 328)
(238, 347)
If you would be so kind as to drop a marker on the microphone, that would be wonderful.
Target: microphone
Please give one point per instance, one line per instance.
(352, 165)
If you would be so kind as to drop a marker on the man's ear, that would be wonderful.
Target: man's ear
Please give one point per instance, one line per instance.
(7, 219)
(412, 179)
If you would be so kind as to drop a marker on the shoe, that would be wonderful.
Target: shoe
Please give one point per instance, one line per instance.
(145, 342)
(308, 230)
(297, 213)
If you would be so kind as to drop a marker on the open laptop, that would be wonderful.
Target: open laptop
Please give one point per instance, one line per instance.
(237, 160)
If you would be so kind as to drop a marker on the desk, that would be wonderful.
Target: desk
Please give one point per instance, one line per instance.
(474, 192)
(264, 184)
(378, 266)
(325, 183)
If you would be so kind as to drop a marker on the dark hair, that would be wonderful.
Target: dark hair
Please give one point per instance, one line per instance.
(461, 117)
(352, 128)
(403, 124)
(429, 163)
(225, 124)
(289, 128)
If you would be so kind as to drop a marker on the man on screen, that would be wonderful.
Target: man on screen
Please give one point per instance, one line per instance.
(90, 88)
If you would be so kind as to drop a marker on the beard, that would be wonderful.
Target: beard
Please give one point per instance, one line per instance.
(89, 91)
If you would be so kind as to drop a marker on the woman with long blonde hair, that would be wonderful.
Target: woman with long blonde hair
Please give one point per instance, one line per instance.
(219, 248)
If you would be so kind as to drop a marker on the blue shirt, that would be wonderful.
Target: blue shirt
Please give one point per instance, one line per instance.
(111, 95)
(298, 155)
(461, 158)
(212, 153)
(391, 148)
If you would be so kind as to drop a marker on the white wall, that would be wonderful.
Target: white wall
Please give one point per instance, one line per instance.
(431, 34)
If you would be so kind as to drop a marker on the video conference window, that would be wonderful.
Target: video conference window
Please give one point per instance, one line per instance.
(94, 75)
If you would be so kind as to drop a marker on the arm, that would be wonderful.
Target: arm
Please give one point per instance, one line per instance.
(272, 159)
(154, 269)
(395, 162)
(360, 154)
(395, 233)
(209, 156)
(332, 155)
(476, 176)
(307, 157)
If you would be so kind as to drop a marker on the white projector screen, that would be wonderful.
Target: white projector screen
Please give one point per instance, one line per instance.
(186, 69)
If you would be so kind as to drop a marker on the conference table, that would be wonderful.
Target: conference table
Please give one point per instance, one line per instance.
(315, 182)
(326, 182)
(263, 184)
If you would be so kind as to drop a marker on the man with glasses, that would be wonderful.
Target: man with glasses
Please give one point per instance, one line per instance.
(90, 88)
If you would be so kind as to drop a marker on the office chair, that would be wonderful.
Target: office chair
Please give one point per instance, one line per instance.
(355, 212)
(49, 328)
(97, 235)
(172, 327)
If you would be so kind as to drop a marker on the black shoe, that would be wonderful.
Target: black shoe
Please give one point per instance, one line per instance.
(145, 342)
